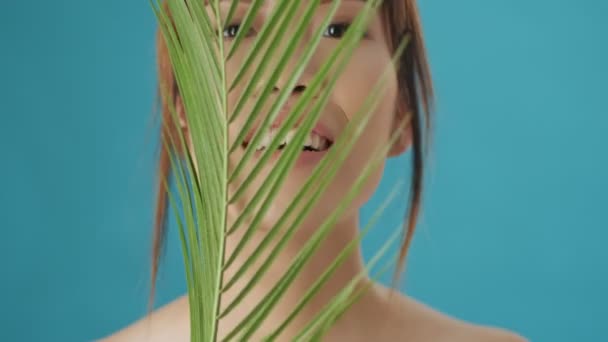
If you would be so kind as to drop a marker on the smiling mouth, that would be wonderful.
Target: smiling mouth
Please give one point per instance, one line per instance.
(313, 143)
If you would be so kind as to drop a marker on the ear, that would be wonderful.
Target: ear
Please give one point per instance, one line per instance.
(404, 141)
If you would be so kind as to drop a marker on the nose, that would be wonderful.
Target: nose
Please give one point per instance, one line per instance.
(298, 89)
(286, 75)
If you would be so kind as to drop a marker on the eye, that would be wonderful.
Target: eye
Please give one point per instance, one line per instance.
(336, 30)
(231, 30)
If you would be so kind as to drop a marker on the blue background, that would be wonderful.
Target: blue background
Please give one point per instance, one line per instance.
(514, 227)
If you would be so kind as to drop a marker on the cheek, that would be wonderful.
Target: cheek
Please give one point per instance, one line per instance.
(357, 82)
(354, 86)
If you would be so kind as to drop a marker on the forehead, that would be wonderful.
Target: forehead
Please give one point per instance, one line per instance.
(272, 2)
(249, 1)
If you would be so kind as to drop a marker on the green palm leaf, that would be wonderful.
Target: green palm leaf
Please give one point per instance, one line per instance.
(198, 58)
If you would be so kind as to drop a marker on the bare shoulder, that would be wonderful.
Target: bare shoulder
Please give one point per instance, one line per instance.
(168, 323)
(464, 331)
(424, 323)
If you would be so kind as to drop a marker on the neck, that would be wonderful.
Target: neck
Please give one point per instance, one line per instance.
(342, 233)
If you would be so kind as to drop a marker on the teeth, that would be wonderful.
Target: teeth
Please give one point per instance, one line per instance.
(266, 139)
(309, 140)
(323, 144)
(315, 141)
(312, 140)
(290, 136)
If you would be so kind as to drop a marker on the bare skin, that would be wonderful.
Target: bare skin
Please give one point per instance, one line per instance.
(376, 316)
(380, 315)
(410, 321)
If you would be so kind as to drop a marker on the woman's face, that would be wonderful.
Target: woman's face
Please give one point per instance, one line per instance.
(370, 58)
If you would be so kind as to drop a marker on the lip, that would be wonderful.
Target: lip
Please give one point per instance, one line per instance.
(308, 158)
(319, 128)
(322, 130)
(305, 158)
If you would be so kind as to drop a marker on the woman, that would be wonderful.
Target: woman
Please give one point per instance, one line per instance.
(376, 316)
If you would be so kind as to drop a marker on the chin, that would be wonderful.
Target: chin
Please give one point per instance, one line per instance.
(330, 198)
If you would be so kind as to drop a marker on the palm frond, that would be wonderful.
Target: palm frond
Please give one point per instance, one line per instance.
(348, 296)
(337, 262)
(193, 35)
